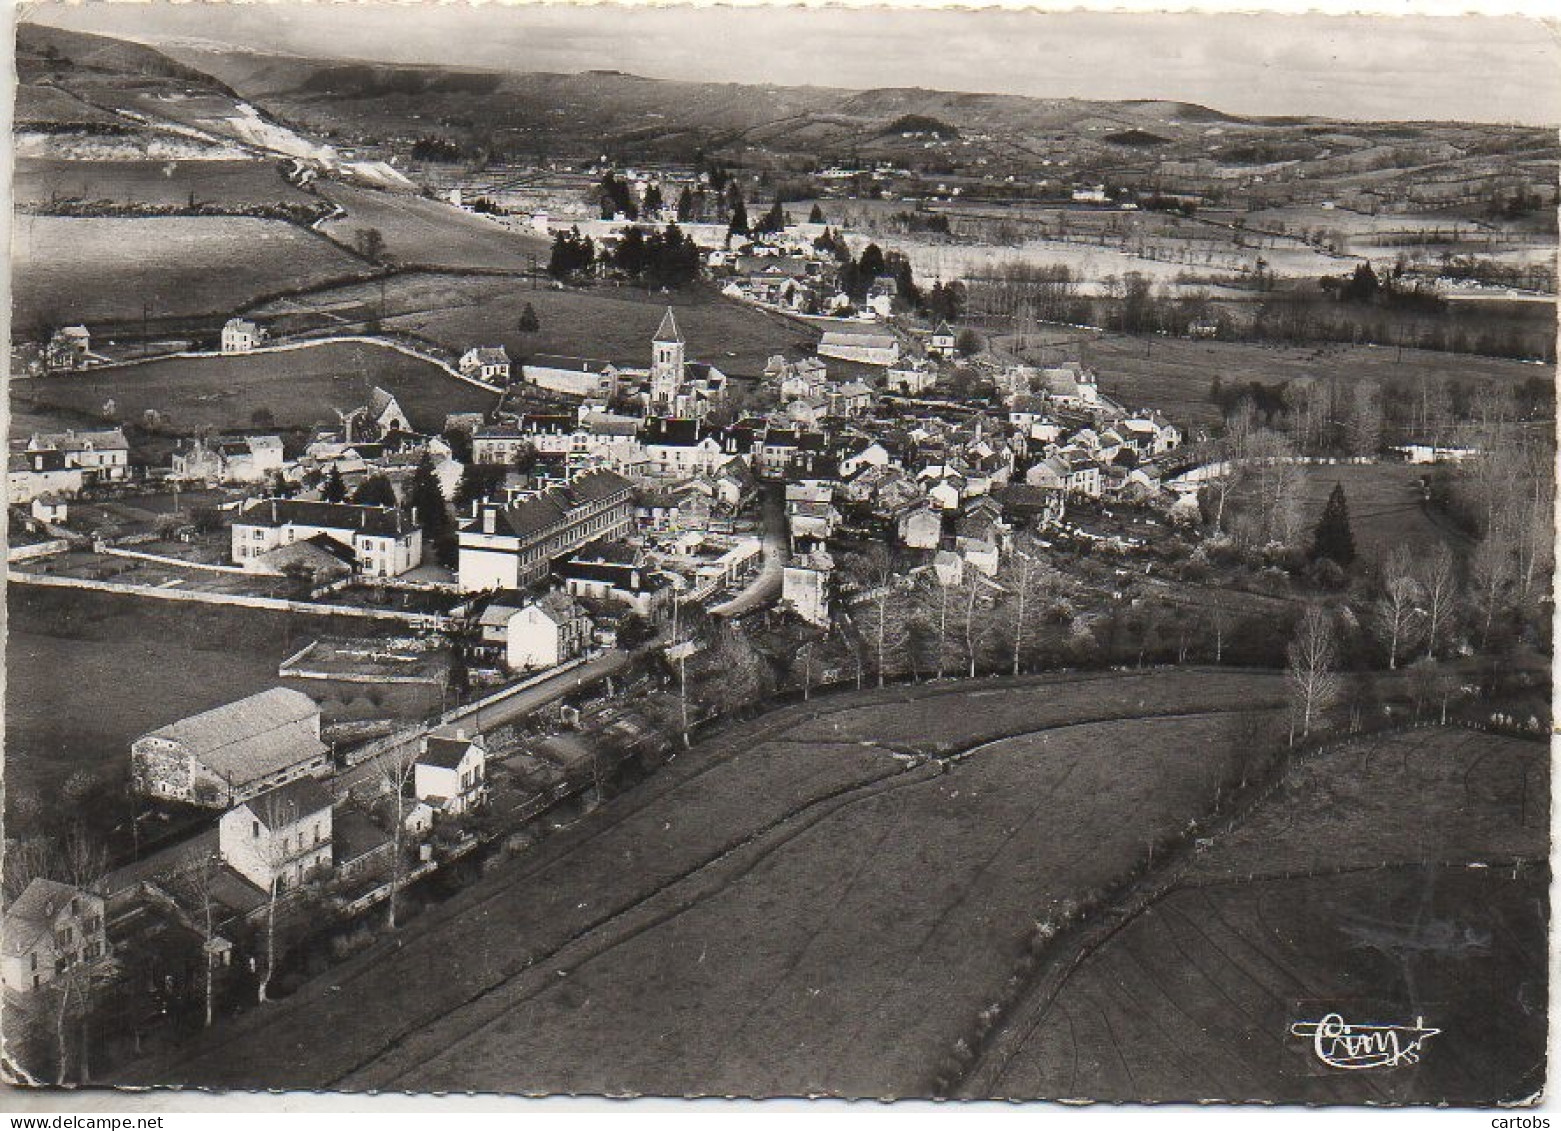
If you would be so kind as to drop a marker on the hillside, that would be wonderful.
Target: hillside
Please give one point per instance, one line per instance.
(192, 85)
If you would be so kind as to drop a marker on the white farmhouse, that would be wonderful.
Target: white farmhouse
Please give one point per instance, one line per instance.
(240, 335)
(280, 837)
(451, 773)
(486, 363)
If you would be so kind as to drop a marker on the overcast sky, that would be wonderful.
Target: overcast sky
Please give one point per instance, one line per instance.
(1470, 68)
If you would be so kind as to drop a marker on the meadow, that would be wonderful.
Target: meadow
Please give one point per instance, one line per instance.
(140, 664)
(608, 322)
(296, 388)
(157, 184)
(113, 269)
(428, 234)
(1380, 878)
(1176, 375)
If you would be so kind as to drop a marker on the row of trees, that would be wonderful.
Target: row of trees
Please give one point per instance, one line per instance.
(423, 501)
(665, 258)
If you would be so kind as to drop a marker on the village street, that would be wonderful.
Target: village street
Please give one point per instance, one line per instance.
(766, 586)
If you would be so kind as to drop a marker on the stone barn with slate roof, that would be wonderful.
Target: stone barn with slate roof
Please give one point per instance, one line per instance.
(222, 757)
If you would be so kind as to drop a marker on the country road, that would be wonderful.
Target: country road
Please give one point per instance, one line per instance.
(483, 719)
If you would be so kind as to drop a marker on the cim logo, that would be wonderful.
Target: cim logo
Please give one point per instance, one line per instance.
(1354, 1046)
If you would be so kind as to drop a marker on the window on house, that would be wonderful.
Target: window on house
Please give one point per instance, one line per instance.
(254, 829)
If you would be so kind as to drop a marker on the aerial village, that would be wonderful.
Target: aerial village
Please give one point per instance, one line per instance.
(583, 576)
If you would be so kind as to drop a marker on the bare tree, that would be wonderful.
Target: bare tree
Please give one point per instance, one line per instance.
(1313, 670)
(1219, 624)
(1028, 583)
(81, 861)
(396, 767)
(194, 889)
(1396, 613)
(873, 571)
(1490, 576)
(1439, 584)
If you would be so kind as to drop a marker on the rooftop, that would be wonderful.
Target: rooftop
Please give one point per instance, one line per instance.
(251, 737)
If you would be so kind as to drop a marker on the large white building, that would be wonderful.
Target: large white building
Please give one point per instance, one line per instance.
(509, 547)
(870, 348)
(231, 753)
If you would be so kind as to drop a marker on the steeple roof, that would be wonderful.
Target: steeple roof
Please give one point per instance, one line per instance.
(669, 329)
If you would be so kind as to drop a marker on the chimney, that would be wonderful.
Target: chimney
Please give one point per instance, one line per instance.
(460, 734)
(489, 517)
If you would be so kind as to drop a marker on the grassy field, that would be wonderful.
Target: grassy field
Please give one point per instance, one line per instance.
(775, 912)
(299, 388)
(1385, 508)
(1175, 375)
(611, 323)
(93, 269)
(155, 183)
(428, 233)
(1384, 502)
(1378, 883)
(88, 672)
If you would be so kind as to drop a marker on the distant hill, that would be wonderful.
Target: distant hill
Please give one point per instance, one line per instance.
(538, 116)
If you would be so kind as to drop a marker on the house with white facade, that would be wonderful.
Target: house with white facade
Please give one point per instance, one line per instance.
(867, 348)
(451, 773)
(535, 633)
(942, 343)
(102, 455)
(680, 448)
(486, 363)
(240, 335)
(49, 929)
(280, 837)
(911, 380)
(384, 541)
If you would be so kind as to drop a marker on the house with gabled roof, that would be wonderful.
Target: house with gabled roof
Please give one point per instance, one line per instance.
(223, 756)
(535, 632)
(49, 928)
(486, 363)
(942, 343)
(102, 454)
(878, 348)
(280, 837)
(451, 773)
(385, 541)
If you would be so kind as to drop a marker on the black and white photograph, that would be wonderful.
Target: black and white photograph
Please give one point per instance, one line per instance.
(759, 552)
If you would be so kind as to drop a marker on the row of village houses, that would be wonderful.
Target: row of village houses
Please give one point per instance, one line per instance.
(602, 476)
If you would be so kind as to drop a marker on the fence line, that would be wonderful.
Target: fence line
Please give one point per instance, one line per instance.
(307, 343)
(277, 604)
(163, 559)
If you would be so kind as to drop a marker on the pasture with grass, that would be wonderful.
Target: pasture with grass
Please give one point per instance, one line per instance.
(297, 388)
